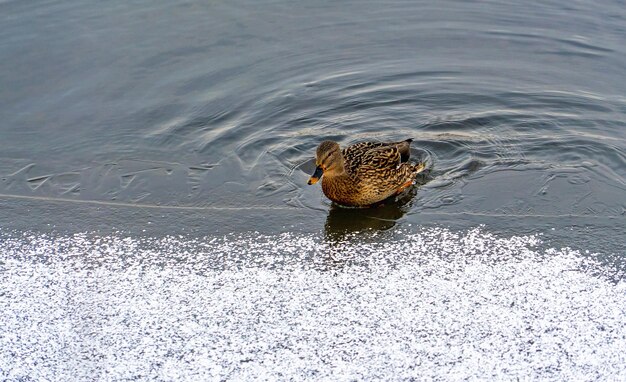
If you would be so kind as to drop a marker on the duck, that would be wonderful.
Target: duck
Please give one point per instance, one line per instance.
(366, 173)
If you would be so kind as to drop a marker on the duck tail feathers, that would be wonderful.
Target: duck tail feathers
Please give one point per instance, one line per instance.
(419, 168)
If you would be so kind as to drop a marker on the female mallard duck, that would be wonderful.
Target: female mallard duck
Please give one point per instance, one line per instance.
(365, 173)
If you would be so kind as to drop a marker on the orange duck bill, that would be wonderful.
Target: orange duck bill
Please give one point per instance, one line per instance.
(316, 175)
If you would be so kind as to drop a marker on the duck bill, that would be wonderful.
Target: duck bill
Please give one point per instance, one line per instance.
(316, 175)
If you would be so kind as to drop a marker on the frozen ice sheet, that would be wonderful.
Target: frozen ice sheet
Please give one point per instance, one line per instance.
(428, 303)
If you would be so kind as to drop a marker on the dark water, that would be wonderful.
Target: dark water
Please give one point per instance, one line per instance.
(518, 107)
(151, 118)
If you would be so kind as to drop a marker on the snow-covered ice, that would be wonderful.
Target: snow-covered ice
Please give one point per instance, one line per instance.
(428, 304)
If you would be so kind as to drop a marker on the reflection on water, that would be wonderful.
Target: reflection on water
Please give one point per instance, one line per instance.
(342, 222)
(345, 226)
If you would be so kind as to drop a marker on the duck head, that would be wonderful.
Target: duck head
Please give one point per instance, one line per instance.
(328, 161)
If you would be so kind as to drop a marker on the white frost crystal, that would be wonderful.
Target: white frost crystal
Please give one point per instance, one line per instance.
(429, 303)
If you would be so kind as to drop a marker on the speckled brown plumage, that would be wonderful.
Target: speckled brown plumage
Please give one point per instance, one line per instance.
(365, 173)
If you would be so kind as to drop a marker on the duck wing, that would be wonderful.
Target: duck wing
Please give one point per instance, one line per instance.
(375, 163)
(358, 149)
(355, 149)
(376, 154)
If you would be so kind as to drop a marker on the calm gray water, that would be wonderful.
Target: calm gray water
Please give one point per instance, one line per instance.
(156, 221)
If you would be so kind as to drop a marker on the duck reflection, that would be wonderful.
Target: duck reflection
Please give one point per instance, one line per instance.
(344, 225)
(343, 222)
